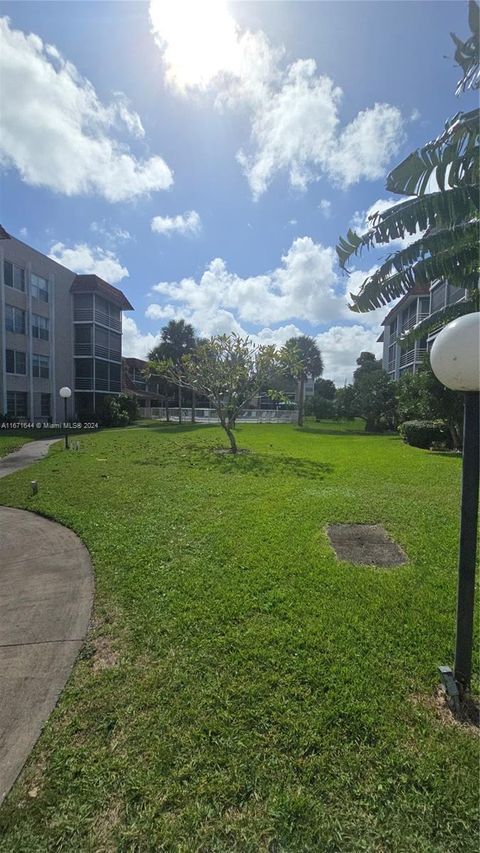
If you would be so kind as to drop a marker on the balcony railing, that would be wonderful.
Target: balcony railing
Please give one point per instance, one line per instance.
(84, 383)
(83, 315)
(105, 352)
(105, 385)
(82, 349)
(108, 320)
(407, 357)
(409, 323)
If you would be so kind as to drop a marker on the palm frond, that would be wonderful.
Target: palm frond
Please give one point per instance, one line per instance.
(460, 266)
(468, 52)
(452, 159)
(431, 243)
(438, 210)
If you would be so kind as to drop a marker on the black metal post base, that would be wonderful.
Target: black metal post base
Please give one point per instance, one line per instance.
(468, 543)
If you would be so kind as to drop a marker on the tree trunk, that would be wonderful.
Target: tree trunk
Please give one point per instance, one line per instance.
(456, 441)
(193, 407)
(167, 410)
(231, 437)
(301, 402)
(179, 404)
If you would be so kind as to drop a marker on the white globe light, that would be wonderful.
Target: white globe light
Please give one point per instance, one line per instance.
(455, 354)
(65, 392)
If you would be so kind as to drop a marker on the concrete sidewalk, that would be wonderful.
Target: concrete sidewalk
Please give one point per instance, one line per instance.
(26, 455)
(46, 593)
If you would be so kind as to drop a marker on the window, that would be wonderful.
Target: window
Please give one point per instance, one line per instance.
(455, 294)
(39, 287)
(83, 334)
(409, 315)
(41, 366)
(16, 362)
(14, 276)
(392, 352)
(424, 306)
(14, 320)
(17, 404)
(40, 327)
(45, 405)
(438, 297)
(393, 328)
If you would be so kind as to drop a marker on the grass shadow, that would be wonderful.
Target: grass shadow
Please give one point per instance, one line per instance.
(260, 464)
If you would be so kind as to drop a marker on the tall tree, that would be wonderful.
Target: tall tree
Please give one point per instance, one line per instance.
(302, 360)
(178, 340)
(441, 210)
(325, 388)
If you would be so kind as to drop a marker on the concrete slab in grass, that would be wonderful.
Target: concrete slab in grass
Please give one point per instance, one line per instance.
(365, 545)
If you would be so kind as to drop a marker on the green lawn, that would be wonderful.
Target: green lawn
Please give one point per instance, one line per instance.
(9, 443)
(240, 689)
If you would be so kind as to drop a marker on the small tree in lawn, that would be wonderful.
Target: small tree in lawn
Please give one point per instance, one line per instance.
(230, 371)
(302, 359)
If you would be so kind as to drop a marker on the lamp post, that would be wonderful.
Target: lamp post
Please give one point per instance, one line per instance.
(65, 393)
(455, 360)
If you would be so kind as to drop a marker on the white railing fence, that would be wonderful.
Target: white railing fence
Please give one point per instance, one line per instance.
(209, 416)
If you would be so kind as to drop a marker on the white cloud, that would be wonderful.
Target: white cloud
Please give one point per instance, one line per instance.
(295, 125)
(326, 207)
(135, 344)
(186, 223)
(82, 258)
(366, 145)
(112, 234)
(57, 133)
(341, 346)
(303, 286)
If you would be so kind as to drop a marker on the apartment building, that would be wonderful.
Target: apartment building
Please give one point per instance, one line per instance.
(147, 392)
(57, 329)
(420, 303)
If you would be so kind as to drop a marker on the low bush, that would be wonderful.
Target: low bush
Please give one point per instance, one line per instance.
(425, 433)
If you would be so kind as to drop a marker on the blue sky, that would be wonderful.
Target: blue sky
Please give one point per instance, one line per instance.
(205, 157)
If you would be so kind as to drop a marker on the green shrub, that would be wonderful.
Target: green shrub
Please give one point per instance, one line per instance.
(424, 433)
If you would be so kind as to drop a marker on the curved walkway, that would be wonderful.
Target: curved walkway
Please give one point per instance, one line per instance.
(31, 452)
(46, 593)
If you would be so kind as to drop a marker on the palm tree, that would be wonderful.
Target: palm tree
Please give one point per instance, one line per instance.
(302, 359)
(441, 182)
(178, 339)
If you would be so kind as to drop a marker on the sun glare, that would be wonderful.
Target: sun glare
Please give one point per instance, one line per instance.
(199, 40)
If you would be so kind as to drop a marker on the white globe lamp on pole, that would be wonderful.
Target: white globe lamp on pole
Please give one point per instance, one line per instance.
(455, 360)
(65, 393)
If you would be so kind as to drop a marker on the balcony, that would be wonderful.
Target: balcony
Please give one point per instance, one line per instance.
(407, 357)
(106, 352)
(84, 383)
(82, 349)
(105, 385)
(83, 315)
(106, 320)
(409, 323)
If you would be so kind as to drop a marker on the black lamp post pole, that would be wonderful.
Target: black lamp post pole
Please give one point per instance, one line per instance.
(66, 428)
(468, 542)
